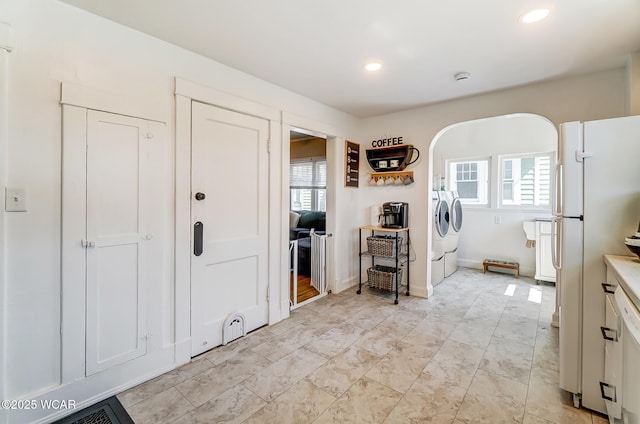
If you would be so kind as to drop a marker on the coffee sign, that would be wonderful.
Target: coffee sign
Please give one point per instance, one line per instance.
(386, 142)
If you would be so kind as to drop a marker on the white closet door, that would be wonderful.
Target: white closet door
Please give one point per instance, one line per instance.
(230, 208)
(120, 187)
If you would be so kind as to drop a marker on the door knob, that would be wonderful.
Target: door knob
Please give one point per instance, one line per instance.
(200, 196)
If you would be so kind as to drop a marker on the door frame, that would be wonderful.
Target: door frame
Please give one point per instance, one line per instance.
(186, 92)
(334, 148)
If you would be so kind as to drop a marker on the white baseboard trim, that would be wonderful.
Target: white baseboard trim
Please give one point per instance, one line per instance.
(474, 264)
(349, 283)
(420, 292)
(93, 389)
(183, 352)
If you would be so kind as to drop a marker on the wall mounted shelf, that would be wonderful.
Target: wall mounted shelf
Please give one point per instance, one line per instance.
(393, 174)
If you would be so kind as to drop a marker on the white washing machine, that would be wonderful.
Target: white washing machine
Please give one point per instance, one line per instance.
(440, 231)
(451, 240)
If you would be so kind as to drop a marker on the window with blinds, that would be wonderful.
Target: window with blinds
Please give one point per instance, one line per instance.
(308, 184)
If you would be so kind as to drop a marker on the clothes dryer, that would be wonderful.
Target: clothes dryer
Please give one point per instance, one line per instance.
(451, 240)
(439, 233)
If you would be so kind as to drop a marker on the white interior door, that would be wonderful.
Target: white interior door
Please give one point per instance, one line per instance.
(121, 252)
(229, 174)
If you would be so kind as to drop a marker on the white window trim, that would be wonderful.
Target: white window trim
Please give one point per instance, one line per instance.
(524, 208)
(450, 178)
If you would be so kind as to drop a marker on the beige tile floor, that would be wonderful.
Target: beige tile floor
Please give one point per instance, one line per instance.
(468, 354)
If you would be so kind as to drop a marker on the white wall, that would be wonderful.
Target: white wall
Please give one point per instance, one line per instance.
(587, 97)
(55, 42)
(490, 138)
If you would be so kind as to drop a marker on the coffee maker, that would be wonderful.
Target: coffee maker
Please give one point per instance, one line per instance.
(395, 215)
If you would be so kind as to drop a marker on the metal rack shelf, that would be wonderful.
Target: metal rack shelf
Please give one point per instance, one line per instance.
(400, 260)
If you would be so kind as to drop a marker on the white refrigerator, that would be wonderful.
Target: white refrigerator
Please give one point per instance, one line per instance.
(597, 205)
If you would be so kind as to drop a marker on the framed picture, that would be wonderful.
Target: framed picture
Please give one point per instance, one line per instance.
(352, 164)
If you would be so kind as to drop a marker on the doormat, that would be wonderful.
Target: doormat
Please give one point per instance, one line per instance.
(109, 411)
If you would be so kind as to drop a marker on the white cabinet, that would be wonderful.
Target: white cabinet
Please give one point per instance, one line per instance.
(620, 387)
(611, 386)
(544, 263)
(114, 202)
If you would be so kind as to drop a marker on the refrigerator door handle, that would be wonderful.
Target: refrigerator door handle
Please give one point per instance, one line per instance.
(557, 199)
(556, 245)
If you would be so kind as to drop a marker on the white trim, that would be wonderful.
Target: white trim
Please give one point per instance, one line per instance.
(4, 136)
(218, 98)
(73, 266)
(309, 126)
(119, 103)
(275, 198)
(334, 152)
(183, 229)
(474, 264)
(100, 386)
(283, 278)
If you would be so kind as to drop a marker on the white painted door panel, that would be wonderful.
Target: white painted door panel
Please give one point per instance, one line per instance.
(230, 166)
(120, 188)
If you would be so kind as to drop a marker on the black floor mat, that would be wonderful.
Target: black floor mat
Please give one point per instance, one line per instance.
(109, 411)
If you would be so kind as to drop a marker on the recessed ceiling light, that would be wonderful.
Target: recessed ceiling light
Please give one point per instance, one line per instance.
(373, 66)
(534, 16)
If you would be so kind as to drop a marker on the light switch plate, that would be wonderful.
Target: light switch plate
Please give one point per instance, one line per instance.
(15, 200)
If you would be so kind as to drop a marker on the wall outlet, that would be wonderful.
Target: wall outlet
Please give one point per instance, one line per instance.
(497, 219)
(15, 200)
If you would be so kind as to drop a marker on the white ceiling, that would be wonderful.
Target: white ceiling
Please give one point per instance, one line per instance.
(318, 48)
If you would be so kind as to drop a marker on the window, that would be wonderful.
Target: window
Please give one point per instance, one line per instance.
(470, 179)
(308, 185)
(526, 180)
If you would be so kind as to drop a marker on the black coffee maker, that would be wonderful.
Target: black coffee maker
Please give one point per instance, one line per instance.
(395, 215)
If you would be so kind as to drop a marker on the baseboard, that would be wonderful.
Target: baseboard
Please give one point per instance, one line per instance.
(467, 263)
(93, 389)
(419, 292)
(183, 352)
(349, 283)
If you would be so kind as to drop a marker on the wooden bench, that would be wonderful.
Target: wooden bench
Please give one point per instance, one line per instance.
(515, 266)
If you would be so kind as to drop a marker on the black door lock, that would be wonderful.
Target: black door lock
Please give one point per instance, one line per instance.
(200, 196)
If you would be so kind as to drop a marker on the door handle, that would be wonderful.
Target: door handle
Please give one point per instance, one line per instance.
(197, 238)
(557, 205)
(556, 246)
(608, 288)
(613, 338)
(605, 397)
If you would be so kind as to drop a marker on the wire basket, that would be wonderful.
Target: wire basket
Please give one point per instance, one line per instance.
(383, 277)
(383, 245)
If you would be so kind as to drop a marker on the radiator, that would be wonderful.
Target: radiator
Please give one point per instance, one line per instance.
(319, 262)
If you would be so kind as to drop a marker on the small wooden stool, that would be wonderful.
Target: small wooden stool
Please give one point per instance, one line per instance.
(515, 266)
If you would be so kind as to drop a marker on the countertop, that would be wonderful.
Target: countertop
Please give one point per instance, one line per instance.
(628, 268)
